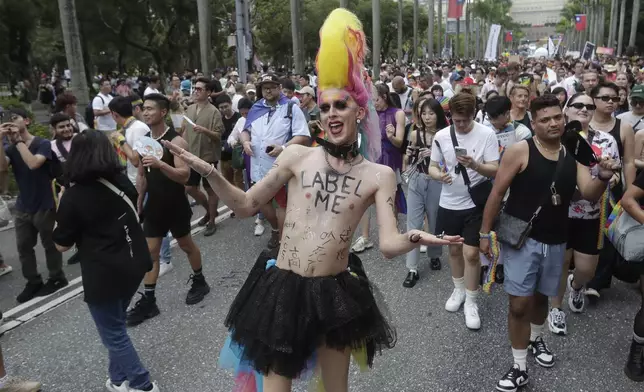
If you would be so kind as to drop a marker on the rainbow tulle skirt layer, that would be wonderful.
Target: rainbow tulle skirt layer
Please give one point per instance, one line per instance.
(279, 319)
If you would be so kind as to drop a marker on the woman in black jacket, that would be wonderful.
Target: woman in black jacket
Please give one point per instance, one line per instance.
(97, 214)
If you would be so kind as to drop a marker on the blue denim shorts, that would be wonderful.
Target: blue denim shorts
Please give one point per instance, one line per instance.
(536, 267)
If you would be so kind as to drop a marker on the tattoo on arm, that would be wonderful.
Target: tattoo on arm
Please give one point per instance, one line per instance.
(390, 201)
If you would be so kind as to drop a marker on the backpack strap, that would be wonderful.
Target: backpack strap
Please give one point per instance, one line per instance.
(289, 115)
(61, 148)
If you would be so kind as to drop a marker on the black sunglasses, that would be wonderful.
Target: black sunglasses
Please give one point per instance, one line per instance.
(606, 98)
(579, 106)
(637, 102)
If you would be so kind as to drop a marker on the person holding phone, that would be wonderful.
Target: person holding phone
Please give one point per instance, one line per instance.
(478, 153)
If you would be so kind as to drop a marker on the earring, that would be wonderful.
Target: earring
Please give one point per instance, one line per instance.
(358, 121)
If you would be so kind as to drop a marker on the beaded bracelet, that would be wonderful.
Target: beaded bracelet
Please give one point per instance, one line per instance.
(485, 235)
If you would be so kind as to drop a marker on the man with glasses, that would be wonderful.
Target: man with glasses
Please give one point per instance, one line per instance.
(635, 117)
(204, 140)
(272, 124)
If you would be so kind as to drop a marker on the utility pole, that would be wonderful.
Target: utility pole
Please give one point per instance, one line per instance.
(375, 5)
(73, 50)
(430, 30)
(457, 44)
(415, 51)
(240, 24)
(298, 59)
(467, 29)
(203, 16)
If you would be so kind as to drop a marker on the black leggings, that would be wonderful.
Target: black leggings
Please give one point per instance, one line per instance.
(638, 326)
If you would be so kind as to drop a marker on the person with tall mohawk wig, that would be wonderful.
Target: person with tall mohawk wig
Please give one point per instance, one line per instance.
(314, 305)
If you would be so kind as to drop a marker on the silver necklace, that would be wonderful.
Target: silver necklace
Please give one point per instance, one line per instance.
(349, 161)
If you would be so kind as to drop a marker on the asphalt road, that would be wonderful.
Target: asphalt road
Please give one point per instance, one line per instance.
(435, 352)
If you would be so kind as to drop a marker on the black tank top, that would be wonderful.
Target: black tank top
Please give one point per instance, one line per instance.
(165, 195)
(420, 143)
(529, 188)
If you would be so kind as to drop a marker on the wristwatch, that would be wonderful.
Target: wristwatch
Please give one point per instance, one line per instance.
(122, 142)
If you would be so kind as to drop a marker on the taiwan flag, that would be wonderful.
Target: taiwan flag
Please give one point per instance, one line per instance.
(580, 22)
(455, 9)
(508, 36)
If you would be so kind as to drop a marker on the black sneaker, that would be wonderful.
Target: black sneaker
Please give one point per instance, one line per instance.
(29, 292)
(145, 308)
(435, 264)
(634, 368)
(52, 286)
(211, 229)
(541, 353)
(411, 279)
(198, 290)
(73, 259)
(513, 379)
(204, 221)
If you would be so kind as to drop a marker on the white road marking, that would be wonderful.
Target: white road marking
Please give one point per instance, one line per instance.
(224, 213)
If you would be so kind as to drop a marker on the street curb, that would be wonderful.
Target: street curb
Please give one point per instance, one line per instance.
(27, 311)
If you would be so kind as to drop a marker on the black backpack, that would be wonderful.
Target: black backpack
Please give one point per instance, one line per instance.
(89, 112)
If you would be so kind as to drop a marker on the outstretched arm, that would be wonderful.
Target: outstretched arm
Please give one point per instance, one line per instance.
(392, 243)
(244, 204)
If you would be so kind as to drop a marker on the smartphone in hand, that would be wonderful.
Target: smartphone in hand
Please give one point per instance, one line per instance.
(269, 149)
(460, 151)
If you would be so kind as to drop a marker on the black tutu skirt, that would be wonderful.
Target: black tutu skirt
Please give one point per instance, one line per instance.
(280, 318)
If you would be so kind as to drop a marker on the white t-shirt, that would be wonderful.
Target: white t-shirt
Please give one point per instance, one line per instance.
(481, 144)
(149, 90)
(634, 120)
(133, 132)
(235, 102)
(104, 122)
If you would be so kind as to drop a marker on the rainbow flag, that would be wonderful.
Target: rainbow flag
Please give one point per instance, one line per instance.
(444, 101)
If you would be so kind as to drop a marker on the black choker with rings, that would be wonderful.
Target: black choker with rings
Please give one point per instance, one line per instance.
(345, 152)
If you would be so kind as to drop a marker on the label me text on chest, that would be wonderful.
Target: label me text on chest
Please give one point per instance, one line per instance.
(331, 189)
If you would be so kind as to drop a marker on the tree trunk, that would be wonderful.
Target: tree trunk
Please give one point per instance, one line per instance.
(298, 58)
(439, 26)
(622, 21)
(73, 50)
(613, 24)
(634, 20)
(430, 29)
(203, 13)
(415, 50)
(400, 33)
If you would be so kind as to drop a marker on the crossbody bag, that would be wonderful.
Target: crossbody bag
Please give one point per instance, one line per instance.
(479, 192)
(121, 194)
(514, 231)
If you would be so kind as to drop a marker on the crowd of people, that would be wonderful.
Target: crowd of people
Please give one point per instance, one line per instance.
(462, 148)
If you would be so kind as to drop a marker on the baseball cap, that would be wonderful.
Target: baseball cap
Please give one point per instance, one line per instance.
(19, 112)
(637, 91)
(233, 73)
(268, 78)
(250, 88)
(306, 90)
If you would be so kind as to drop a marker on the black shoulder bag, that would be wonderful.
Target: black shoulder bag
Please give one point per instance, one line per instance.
(479, 192)
(514, 231)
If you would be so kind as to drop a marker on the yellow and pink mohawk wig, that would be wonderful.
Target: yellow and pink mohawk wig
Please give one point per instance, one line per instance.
(340, 64)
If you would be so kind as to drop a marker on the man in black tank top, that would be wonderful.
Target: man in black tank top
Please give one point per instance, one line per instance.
(533, 272)
(166, 209)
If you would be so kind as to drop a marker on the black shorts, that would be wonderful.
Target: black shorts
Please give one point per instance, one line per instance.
(583, 235)
(195, 178)
(466, 223)
(157, 226)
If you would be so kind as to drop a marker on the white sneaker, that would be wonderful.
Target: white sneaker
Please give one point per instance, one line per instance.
(423, 249)
(576, 298)
(113, 388)
(155, 388)
(455, 300)
(472, 319)
(164, 268)
(557, 322)
(5, 270)
(361, 245)
(259, 228)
